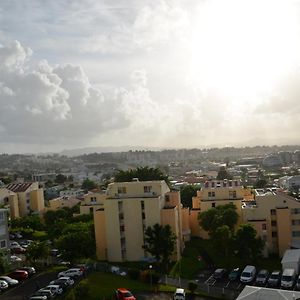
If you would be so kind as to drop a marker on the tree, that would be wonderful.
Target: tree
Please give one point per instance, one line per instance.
(160, 243)
(60, 178)
(222, 238)
(187, 192)
(37, 250)
(247, 245)
(223, 174)
(33, 222)
(142, 173)
(88, 184)
(213, 218)
(260, 183)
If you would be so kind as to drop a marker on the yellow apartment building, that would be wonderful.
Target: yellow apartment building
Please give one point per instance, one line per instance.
(214, 193)
(24, 198)
(276, 218)
(92, 201)
(61, 202)
(129, 208)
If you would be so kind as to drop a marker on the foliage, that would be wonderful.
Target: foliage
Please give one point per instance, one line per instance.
(55, 216)
(192, 286)
(142, 173)
(160, 243)
(33, 221)
(213, 218)
(40, 235)
(222, 238)
(260, 183)
(76, 245)
(223, 174)
(186, 194)
(60, 178)
(4, 264)
(37, 250)
(247, 245)
(88, 185)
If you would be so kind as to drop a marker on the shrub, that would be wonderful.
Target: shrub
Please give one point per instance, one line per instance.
(192, 286)
(134, 274)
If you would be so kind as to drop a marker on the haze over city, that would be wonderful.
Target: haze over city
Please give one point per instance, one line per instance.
(167, 74)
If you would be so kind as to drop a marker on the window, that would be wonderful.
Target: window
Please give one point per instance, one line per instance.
(91, 210)
(147, 189)
(273, 212)
(274, 233)
(93, 200)
(295, 233)
(230, 183)
(121, 190)
(232, 194)
(295, 211)
(142, 205)
(3, 244)
(211, 194)
(28, 201)
(264, 226)
(273, 223)
(143, 216)
(122, 228)
(295, 222)
(213, 204)
(1, 216)
(167, 197)
(212, 184)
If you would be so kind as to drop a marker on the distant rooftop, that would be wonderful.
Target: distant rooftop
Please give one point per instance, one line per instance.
(18, 187)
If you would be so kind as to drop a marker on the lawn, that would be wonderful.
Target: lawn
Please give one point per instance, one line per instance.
(103, 285)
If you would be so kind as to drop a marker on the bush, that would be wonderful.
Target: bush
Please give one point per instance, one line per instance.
(192, 286)
(134, 274)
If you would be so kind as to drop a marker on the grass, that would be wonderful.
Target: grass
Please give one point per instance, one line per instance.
(103, 285)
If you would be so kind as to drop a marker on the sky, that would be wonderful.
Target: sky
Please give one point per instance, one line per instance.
(169, 73)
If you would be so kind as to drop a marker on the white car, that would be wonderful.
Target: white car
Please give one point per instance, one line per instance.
(14, 244)
(38, 298)
(55, 289)
(14, 258)
(75, 272)
(179, 294)
(67, 280)
(3, 285)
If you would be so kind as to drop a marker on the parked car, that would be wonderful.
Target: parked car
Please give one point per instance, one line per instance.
(54, 252)
(3, 285)
(63, 284)
(274, 279)
(55, 289)
(219, 273)
(74, 272)
(30, 270)
(248, 274)
(18, 275)
(9, 280)
(234, 274)
(14, 244)
(46, 293)
(17, 250)
(18, 235)
(25, 243)
(262, 277)
(38, 297)
(124, 294)
(297, 287)
(179, 294)
(288, 278)
(68, 280)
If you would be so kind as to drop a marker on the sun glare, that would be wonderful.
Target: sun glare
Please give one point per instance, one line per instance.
(244, 48)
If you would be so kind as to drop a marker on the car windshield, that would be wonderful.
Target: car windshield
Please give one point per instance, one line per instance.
(274, 276)
(261, 275)
(127, 294)
(286, 278)
(246, 274)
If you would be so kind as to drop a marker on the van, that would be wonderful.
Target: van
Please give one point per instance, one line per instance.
(248, 274)
(288, 278)
(179, 294)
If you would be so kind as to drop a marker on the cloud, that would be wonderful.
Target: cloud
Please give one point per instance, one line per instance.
(51, 104)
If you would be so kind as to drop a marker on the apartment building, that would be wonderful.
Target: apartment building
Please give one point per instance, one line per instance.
(3, 229)
(23, 198)
(128, 209)
(92, 201)
(214, 193)
(276, 218)
(62, 202)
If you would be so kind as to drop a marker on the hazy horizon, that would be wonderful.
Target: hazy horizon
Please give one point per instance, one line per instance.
(166, 74)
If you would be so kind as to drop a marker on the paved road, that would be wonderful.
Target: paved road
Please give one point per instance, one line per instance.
(164, 296)
(28, 287)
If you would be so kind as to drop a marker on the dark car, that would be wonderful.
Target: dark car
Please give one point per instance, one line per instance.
(219, 273)
(274, 279)
(262, 277)
(30, 270)
(18, 275)
(234, 274)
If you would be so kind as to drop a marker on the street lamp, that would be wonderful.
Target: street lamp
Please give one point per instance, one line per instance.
(150, 271)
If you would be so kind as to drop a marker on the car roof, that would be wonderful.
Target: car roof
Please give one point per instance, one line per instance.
(122, 290)
(264, 271)
(276, 272)
(179, 290)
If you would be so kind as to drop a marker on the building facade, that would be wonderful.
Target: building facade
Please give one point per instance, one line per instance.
(129, 208)
(4, 236)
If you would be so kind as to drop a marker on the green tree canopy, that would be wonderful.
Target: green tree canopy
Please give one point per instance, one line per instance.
(33, 221)
(37, 250)
(60, 178)
(187, 192)
(216, 217)
(160, 243)
(142, 173)
(247, 245)
(223, 239)
(223, 174)
(88, 184)
(260, 183)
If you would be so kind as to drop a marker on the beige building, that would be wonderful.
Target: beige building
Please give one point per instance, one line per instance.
(23, 198)
(92, 201)
(129, 208)
(62, 202)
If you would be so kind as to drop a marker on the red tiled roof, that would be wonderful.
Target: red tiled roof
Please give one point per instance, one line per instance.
(18, 187)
